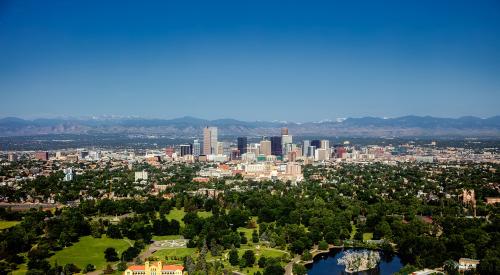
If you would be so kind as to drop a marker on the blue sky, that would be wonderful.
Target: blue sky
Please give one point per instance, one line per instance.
(250, 60)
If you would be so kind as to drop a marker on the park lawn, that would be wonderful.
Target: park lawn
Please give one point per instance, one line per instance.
(167, 237)
(248, 231)
(7, 224)
(263, 251)
(367, 236)
(174, 252)
(89, 250)
(178, 214)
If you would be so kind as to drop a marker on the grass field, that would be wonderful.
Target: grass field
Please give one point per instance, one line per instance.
(262, 251)
(177, 214)
(7, 224)
(177, 252)
(89, 250)
(367, 236)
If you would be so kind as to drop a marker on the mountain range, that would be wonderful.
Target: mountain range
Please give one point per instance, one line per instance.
(406, 126)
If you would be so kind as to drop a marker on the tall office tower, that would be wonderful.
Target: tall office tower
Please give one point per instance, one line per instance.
(210, 141)
(305, 147)
(311, 150)
(220, 148)
(321, 154)
(325, 144)
(196, 148)
(286, 140)
(316, 143)
(265, 147)
(226, 148)
(242, 145)
(284, 131)
(276, 146)
(185, 149)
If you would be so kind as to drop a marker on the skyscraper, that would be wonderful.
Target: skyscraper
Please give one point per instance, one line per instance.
(265, 147)
(196, 148)
(242, 145)
(316, 143)
(325, 144)
(210, 141)
(305, 147)
(276, 146)
(185, 149)
(284, 131)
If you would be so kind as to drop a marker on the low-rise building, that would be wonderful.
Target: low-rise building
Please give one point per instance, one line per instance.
(467, 264)
(154, 268)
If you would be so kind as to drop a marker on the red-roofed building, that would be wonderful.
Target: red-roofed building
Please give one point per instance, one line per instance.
(155, 268)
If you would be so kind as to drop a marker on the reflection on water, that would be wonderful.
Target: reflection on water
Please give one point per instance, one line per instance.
(327, 264)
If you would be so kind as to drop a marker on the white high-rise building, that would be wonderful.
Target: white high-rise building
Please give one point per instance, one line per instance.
(305, 147)
(325, 144)
(196, 148)
(321, 154)
(210, 141)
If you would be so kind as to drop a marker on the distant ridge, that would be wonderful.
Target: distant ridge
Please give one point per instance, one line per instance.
(406, 126)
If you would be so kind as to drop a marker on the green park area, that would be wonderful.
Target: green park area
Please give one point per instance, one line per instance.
(174, 255)
(7, 224)
(259, 251)
(89, 250)
(367, 236)
(178, 214)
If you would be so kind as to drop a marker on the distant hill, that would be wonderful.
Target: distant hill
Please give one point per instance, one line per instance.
(407, 126)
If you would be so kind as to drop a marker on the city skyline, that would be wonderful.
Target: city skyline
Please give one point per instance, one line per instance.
(250, 61)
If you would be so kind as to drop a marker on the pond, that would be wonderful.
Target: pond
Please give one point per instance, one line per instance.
(327, 264)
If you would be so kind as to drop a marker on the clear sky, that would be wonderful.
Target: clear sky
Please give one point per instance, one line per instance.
(250, 60)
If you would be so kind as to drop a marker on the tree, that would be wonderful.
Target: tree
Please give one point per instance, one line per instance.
(96, 229)
(249, 257)
(190, 265)
(274, 269)
(323, 245)
(243, 238)
(122, 266)
(114, 232)
(490, 264)
(129, 254)
(89, 268)
(307, 256)
(297, 247)
(108, 270)
(255, 236)
(110, 255)
(299, 269)
(233, 257)
(451, 267)
(262, 262)
(71, 268)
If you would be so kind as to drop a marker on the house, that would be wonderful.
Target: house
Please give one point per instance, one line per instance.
(467, 264)
(155, 268)
(490, 200)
